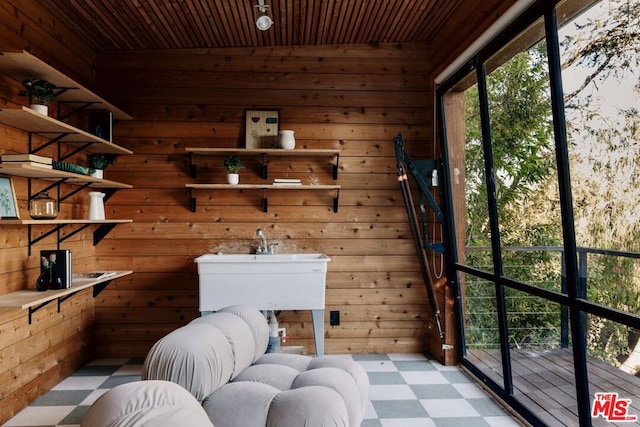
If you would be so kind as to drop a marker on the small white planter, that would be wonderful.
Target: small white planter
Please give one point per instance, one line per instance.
(99, 173)
(42, 109)
(233, 178)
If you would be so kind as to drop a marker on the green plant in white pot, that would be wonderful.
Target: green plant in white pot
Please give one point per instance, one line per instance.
(233, 165)
(97, 163)
(40, 93)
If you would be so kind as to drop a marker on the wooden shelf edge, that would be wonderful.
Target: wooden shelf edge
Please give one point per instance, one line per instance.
(258, 151)
(27, 298)
(260, 187)
(28, 171)
(62, 221)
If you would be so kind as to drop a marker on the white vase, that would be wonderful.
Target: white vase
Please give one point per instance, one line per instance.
(233, 178)
(287, 140)
(98, 173)
(42, 109)
(96, 205)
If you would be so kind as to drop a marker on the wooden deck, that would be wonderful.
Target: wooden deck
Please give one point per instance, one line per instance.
(544, 382)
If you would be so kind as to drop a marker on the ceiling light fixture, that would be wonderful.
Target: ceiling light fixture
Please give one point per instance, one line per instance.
(263, 20)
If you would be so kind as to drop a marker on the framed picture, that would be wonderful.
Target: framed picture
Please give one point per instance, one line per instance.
(262, 128)
(8, 202)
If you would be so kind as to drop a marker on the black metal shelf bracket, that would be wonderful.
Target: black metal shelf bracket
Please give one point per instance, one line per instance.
(97, 288)
(192, 166)
(38, 307)
(192, 201)
(102, 232)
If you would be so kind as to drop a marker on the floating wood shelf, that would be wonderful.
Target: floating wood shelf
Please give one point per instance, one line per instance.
(262, 187)
(34, 300)
(28, 171)
(264, 153)
(22, 65)
(31, 121)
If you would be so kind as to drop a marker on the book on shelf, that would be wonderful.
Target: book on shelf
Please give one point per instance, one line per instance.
(26, 163)
(59, 262)
(287, 181)
(9, 158)
(101, 124)
(94, 275)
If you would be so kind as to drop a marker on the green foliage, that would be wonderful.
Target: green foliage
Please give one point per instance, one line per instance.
(99, 161)
(38, 91)
(523, 157)
(233, 164)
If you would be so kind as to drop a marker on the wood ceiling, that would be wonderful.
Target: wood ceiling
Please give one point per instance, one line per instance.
(115, 25)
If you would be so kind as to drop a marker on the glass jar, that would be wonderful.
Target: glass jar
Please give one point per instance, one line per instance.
(43, 207)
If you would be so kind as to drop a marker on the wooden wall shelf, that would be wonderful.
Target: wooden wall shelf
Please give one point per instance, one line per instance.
(22, 65)
(31, 121)
(28, 171)
(34, 300)
(261, 187)
(264, 153)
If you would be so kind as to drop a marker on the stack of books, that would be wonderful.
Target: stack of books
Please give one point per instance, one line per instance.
(287, 181)
(27, 159)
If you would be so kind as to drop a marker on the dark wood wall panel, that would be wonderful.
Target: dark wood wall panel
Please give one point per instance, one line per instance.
(351, 98)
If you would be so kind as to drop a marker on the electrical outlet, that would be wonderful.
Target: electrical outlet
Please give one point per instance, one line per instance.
(334, 318)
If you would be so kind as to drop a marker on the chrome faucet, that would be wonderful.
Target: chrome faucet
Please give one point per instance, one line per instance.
(264, 248)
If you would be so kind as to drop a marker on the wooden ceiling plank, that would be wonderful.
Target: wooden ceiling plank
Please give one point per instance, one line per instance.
(163, 28)
(110, 27)
(146, 25)
(177, 25)
(202, 16)
(357, 21)
(184, 11)
(136, 23)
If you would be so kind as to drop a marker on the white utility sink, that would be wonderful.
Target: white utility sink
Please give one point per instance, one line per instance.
(267, 282)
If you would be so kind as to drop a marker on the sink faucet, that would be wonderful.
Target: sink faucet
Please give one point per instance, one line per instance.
(264, 248)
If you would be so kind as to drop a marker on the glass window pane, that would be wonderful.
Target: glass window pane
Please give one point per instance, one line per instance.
(524, 163)
(600, 55)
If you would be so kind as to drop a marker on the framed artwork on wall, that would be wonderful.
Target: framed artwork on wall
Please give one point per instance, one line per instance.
(261, 128)
(8, 202)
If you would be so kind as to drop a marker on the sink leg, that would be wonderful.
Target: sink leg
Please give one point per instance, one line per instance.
(318, 331)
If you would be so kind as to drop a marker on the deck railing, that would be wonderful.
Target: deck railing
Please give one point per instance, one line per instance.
(609, 277)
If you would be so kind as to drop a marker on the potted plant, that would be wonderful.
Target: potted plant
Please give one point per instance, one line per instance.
(39, 92)
(97, 164)
(233, 166)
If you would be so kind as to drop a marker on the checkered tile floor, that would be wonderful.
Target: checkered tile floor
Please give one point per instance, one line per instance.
(407, 390)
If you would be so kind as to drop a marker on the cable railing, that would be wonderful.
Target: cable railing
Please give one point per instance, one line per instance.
(608, 277)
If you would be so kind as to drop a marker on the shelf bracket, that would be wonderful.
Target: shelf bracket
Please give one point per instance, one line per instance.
(192, 166)
(336, 166)
(99, 287)
(37, 239)
(265, 202)
(335, 201)
(77, 109)
(38, 307)
(77, 150)
(192, 201)
(265, 166)
(102, 232)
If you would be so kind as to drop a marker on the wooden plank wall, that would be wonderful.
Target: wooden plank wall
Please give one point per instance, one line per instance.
(34, 357)
(353, 98)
